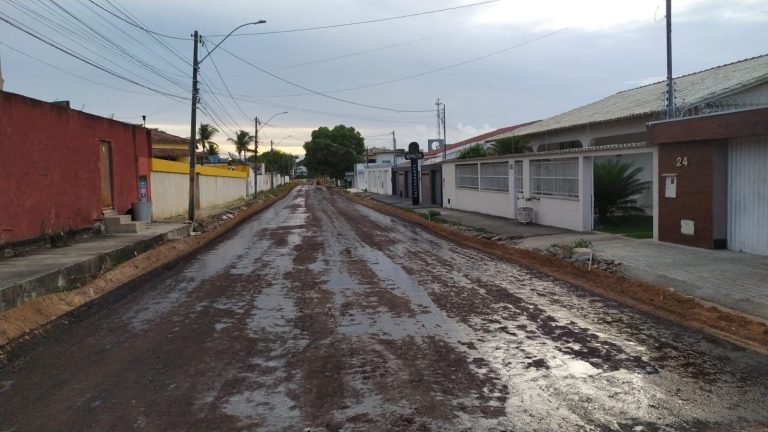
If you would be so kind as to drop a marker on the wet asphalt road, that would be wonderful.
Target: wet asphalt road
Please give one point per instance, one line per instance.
(326, 315)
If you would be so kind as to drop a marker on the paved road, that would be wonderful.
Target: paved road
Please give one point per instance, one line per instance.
(325, 315)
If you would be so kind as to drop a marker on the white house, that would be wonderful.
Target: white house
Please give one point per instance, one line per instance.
(558, 172)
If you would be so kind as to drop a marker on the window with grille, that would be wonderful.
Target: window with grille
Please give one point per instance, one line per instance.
(556, 177)
(466, 176)
(494, 176)
(519, 176)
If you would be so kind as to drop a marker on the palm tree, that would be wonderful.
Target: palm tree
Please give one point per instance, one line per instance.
(616, 185)
(242, 140)
(473, 151)
(510, 145)
(205, 134)
(211, 149)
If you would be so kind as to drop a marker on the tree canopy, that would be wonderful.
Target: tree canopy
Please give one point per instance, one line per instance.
(473, 151)
(242, 140)
(510, 145)
(277, 161)
(205, 135)
(332, 152)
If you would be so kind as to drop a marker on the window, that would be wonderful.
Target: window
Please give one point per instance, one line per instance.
(558, 177)
(494, 176)
(519, 176)
(466, 176)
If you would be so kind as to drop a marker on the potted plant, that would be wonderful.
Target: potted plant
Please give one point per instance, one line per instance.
(525, 214)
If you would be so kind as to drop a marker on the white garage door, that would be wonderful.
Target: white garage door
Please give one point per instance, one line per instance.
(748, 195)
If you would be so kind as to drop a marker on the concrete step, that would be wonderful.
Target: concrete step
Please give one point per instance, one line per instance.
(131, 227)
(122, 224)
(115, 220)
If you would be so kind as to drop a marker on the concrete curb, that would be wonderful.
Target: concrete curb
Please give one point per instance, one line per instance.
(75, 275)
(736, 327)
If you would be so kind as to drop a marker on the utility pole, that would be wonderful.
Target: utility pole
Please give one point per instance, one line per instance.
(256, 155)
(193, 123)
(193, 132)
(271, 164)
(445, 140)
(437, 104)
(670, 84)
(394, 163)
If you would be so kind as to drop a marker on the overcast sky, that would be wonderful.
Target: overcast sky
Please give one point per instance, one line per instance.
(493, 65)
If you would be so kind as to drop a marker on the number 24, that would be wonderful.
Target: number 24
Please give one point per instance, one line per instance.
(681, 161)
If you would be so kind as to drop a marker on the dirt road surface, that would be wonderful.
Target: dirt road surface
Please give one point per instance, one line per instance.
(320, 314)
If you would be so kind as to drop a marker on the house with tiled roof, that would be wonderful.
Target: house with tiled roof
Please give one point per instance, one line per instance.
(555, 180)
(452, 151)
(169, 147)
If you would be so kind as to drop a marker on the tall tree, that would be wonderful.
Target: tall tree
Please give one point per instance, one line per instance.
(510, 145)
(242, 140)
(616, 185)
(205, 134)
(332, 152)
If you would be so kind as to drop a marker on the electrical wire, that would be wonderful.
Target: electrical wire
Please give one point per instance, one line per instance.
(366, 21)
(136, 25)
(431, 71)
(218, 72)
(64, 50)
(317, 92)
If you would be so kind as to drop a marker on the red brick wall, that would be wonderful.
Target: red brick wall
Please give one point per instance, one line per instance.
(50, 167)
(695, 187)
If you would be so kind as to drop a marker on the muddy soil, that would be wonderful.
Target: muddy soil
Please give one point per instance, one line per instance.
(323, 314)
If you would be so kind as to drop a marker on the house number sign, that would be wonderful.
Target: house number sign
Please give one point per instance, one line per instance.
(681, 161)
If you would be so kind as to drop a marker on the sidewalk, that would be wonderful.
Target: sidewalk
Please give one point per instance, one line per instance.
(59, 269)
(397, 201)
(734, 280)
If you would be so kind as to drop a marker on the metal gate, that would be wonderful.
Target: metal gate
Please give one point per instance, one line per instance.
(748, 195)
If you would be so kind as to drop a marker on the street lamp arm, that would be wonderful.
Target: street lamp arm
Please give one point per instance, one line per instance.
(228, 35)
(263, 125)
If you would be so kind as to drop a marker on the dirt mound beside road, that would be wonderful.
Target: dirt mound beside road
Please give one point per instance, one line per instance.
(664, 302)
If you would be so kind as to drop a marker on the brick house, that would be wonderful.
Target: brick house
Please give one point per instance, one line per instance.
(62, 169)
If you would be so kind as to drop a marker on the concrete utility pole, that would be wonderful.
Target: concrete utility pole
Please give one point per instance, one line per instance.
(193, 132)
(256, 155)
(394, 162)
(670, 83)
(271, 164)
(437, 104)
(193, 122)
(445, 140)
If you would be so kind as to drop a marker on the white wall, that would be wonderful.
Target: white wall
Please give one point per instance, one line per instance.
(379, 180)
(570, 213)
(489, 202)
(170, 194)
(219, 190)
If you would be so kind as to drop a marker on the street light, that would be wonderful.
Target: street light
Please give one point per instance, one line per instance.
(256, 123)
(193, 131)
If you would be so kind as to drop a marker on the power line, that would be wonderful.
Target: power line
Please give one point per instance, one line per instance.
(223, 82)
(440, 69)
(72, 34)
(366, 21)
(136, 25)
(53, 66)
(21, 28)
(317, 92)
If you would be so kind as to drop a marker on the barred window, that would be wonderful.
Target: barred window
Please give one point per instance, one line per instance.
(519, 176)
(555, 177)
(494, 176)
(466, 176)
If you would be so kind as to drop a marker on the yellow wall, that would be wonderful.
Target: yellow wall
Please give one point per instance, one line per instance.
(206, 170)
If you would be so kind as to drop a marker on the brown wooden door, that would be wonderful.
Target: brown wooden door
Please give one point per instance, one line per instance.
(426, 188)
(106, 174)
